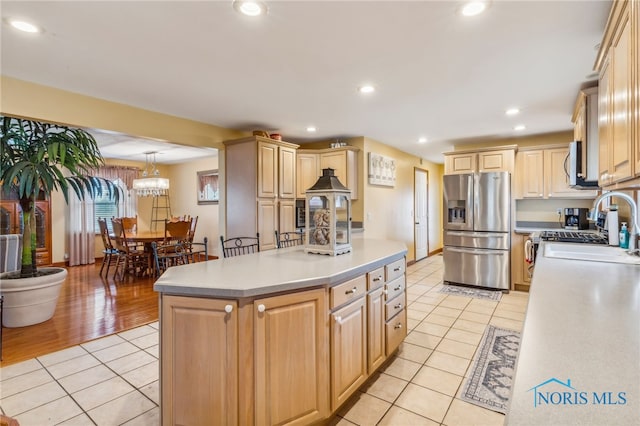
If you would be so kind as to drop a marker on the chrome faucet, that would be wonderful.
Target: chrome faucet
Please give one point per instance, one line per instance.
(633, 232)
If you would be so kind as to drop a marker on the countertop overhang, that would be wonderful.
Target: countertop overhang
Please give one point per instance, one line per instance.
(275, 271)
(579, 357)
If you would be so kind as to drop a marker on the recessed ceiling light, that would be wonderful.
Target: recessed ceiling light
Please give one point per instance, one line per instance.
(366, 89)
(519, 127)
(24, 26)
(250, 7)
(312, 129)
(422, 140)
(512, 111)
(474, 8)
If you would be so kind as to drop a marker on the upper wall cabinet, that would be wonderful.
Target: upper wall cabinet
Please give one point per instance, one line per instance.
(540, 173)
(618, 115)
(343, 160)
(585, 122)
(480, 160)
(260, 183)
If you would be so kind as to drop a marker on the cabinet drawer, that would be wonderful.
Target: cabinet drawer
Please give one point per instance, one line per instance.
(375, 278)
(395, 269)
(392, 307)
(342, 293)
(394, 288)
(396, 330)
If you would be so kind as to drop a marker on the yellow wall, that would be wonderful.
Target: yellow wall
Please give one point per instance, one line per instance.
(30, 100)
(184, 200)
(388, 211)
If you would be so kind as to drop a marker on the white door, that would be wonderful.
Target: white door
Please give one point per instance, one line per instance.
(421, 236)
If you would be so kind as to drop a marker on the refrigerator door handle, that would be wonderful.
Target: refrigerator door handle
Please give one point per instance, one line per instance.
(478, 251)
(475, 234)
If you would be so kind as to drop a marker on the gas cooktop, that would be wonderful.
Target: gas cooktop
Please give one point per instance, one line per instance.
(574, 237)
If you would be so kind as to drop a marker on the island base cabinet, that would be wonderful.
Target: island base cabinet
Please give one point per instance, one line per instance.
(348, 350)
(199, 381)
(396, 331)
(291, 356)
(375, 331)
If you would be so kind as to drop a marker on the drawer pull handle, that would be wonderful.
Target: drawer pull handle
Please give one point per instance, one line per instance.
(397, 288)
(398, 306)
(338, 319)
(397, 269)
(398, 326)
(378, 278)
(352, 291)
(228, 309)
(261, 308)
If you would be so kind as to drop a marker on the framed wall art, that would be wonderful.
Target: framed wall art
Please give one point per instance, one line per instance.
(208, 187)
(382, 170)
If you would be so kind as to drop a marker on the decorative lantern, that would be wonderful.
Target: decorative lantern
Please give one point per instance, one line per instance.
(328, 216)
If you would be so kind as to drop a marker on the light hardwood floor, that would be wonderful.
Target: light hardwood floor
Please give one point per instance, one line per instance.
(89, 307)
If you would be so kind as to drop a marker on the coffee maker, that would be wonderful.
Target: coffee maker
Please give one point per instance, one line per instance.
(576, 218)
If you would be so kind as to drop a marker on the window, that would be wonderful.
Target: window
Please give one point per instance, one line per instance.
(105, 207)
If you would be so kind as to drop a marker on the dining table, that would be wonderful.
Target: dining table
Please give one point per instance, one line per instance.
(146, 238)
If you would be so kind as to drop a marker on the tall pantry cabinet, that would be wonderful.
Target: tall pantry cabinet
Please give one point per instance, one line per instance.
(260, 179)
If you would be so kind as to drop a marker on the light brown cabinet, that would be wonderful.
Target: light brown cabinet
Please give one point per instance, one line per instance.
(375, 329)
(348, 350)
(11, 223)
(308, 167)
(520, 272)
(540, 173)
(618, 116)
(344, 161)
(291, 358)
(260, 188)
(199, 385)
(482, 160)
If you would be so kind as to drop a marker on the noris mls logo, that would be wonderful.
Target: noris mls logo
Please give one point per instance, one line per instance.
(554, 392)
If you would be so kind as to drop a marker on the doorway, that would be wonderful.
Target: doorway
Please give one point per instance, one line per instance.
(420, 216)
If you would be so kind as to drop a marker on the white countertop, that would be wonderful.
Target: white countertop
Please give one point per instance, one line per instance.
(277, 270)
(583, 325)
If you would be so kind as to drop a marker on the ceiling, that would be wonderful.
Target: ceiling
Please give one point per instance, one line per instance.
(437, 74)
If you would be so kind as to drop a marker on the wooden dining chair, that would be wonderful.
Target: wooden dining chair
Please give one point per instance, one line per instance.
(131, 258)
(110, 252)
(176, 231)
(238, 246)
(289, 239)
(130, 224)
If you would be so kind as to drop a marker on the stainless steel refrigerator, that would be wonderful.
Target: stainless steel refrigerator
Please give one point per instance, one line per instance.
(477, 238)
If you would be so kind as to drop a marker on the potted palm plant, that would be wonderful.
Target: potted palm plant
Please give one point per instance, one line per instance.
(39, 158)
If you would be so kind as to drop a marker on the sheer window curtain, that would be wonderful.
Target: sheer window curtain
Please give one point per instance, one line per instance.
(81, 232)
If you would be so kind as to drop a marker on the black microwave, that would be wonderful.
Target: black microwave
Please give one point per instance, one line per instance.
(300, 215)
(576, 169)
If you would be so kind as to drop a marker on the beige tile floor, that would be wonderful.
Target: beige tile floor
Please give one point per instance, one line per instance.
(114, 380)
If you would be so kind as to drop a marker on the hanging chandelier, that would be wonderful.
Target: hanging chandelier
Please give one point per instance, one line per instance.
(151, 185)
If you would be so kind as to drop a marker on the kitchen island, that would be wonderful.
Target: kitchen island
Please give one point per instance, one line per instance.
(579, 358)
(280, 336)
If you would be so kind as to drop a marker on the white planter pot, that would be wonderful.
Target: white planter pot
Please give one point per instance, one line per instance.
(29, 301)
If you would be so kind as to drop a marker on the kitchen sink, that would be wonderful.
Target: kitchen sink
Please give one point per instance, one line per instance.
(590, 252)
